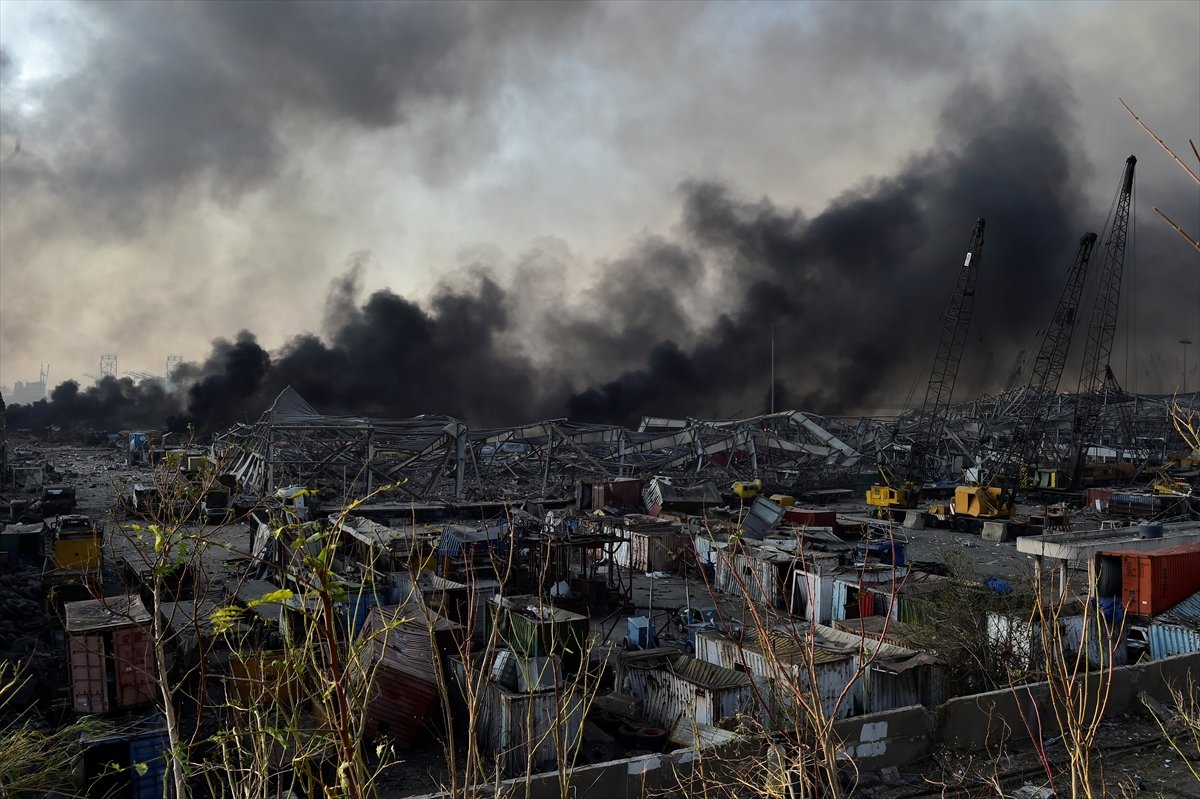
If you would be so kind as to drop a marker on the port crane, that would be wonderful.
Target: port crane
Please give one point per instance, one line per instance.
(903, 491)
(995, 496)
(1097, 385)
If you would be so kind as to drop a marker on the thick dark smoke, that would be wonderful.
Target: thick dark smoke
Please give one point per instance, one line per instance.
(853, 295)
(187, 93)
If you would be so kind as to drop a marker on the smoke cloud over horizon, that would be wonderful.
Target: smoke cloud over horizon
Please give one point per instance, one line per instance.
(202, 169)
(853, 295)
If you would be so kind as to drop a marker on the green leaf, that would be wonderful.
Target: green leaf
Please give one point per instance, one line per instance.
(224, 618)
(141, 769)
(281, 596)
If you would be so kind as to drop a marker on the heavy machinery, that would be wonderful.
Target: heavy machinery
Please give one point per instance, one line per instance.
(75, 543)
(1097, 385)
(903, 491)
(994, 496)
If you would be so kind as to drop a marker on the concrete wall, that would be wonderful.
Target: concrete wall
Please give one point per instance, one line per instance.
(983, 722)
(650, 775)
(894, 738)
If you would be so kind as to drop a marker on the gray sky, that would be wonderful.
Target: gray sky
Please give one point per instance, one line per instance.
(173, 173)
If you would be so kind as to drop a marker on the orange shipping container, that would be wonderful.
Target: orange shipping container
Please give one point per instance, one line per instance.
(1158, 580)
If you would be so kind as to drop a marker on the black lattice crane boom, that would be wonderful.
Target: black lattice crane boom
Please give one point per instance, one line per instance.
(996, 496)
(956, 321)
(1094, 373)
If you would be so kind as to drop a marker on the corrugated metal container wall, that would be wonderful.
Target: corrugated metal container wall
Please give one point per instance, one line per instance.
(149, 749)
(883, 690)
(509, 723)
(545, 726)
(1172, 639)
(1156, 581)
(400, 707)
(1098, 498)
(1106, 643)
(738, 575)
(833, 674)
(817, 590)
(650, 551)
(133, 661)
(807, 517)
(667, 699)
(89, 674)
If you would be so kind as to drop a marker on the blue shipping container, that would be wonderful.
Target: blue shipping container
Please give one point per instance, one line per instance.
(148, 749)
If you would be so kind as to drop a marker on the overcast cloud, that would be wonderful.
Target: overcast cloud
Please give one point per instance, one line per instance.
(606, 179)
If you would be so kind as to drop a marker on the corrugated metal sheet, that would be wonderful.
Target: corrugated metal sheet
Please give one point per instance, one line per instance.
(781, 675)
(1172, 639)
(133, 662)
(691, 690)
(400, 706)
(525, 731)
(89, 674)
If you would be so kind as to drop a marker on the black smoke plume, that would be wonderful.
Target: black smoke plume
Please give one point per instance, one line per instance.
(853, 295)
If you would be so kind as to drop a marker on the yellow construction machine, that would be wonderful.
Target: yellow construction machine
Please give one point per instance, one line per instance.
(889, 495)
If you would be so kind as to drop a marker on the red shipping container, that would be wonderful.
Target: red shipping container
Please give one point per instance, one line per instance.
(134, 664)
(1158, 580)
(1101, 495)
(806, 517)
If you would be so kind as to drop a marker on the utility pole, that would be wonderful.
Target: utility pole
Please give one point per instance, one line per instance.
(1185, 342)
(773, 367)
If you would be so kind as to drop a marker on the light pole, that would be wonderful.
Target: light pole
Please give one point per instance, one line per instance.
(1185, 342)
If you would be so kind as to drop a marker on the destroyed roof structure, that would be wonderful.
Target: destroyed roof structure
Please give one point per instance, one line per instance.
(438, 457)
(430, 458)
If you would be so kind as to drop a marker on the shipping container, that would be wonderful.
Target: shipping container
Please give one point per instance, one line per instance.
(1155, 581)
(89, 674)
(532, 628)
(112, 660)
(147, 757)
(807, 517)
(1097, 498)
(685, 689)
(890, 676)
(399, 646)
(525, 732)
(129, 761)
(781, 670)
(133, 660)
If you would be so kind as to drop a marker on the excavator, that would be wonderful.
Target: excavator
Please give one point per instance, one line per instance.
(903, 491)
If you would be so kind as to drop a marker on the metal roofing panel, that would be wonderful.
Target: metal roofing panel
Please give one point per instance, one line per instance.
(1186, 613)
(707, 675)
(99, 614)
(1169, 639)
